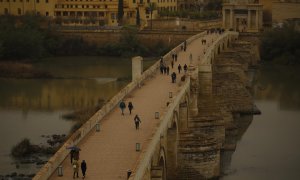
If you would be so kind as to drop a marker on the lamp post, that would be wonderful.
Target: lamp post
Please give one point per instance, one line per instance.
(170, 94)
(98, 127)
(156, 115)
(137, 147)
(60, 171)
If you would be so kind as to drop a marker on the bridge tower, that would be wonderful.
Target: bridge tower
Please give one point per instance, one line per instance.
(242, 15)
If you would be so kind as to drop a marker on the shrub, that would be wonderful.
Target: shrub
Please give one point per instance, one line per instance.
(22, 149)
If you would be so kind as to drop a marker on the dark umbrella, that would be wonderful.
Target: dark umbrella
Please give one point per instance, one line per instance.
(74, 148)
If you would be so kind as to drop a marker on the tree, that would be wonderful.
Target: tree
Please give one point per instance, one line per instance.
(120, 11)
(151, 7)
(138, 18)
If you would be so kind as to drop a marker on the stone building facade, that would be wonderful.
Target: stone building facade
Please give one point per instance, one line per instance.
(242, 15)
(86, 12)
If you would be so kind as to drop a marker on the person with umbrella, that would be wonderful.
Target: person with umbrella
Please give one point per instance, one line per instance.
(74, 153)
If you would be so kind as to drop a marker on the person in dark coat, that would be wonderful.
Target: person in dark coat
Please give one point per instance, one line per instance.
(83, 168)
(168, 70)
(161, 68)
(165, 70)
(130, 107)
(185, 68)
(137, 122)
(172, 64)
(122, 106)
(179, 68)
(175, 57)
(72, 152)
(173, 76)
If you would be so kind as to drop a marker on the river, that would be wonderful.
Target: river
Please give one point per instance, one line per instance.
(30, 108)
(269, 147)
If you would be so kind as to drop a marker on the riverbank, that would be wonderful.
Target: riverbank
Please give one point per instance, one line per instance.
(21, 70)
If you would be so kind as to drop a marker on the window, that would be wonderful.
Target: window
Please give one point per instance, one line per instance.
(133, 1)
(37, 1)
(46, 1)
(19, 11)
(47, 13)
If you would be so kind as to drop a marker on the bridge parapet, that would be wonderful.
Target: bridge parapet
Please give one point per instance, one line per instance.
(221, 43)
(146, 157)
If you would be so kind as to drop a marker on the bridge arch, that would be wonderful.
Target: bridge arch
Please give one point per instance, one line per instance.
(162, 163)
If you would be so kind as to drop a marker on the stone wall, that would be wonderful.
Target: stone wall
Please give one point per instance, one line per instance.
(147, 38)
(282, 11)
(174, 24)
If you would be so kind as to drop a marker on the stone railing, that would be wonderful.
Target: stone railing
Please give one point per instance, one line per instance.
(48, 169)
(146, 157)
(206, 60)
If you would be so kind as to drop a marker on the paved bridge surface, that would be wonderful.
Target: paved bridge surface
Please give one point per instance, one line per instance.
(111, 152)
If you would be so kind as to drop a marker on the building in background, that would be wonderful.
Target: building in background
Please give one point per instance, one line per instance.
(242, 15)
(86, 12)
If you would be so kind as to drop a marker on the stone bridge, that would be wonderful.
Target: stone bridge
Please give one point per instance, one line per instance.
(166, 139)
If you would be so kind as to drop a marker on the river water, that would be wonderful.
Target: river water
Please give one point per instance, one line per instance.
(30, 108)
(270, 146)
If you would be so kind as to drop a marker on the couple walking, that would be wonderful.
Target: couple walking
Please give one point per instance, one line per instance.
(122, 106)
(75, 166)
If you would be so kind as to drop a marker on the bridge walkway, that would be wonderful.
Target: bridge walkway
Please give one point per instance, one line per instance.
(111, 152)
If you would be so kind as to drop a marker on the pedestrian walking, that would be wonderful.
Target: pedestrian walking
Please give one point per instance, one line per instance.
(168, 70)
(72, 152)
(179, 68)
(165, 70)
(76, 155)
(75, 169)
(172, 64)
(161, 68)
(130, 107)
(83, 168)
(137, 122)
(122, 106)
(185, 68)
(175, 57)
(161, 60)
(173, 76)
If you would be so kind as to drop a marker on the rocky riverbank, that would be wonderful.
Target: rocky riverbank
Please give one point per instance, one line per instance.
(27, 154)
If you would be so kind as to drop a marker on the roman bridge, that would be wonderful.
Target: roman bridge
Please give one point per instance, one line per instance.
(111, 145)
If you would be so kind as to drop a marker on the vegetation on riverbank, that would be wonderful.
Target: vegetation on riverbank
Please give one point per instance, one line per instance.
(25, 37)
(25, 148)
(281, 45)
(82, 115)
(21, 70)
